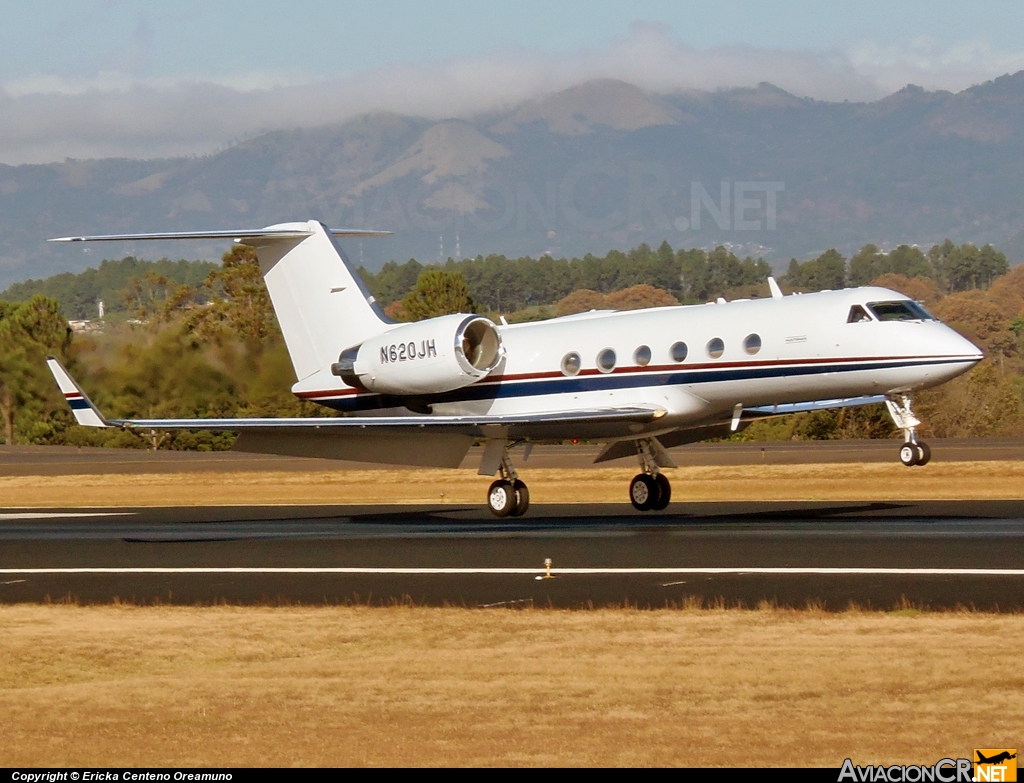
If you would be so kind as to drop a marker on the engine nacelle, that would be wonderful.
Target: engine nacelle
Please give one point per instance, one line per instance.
(436, 355)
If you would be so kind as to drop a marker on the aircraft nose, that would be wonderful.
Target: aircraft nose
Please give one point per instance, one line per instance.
(956, 345)
(968, 350)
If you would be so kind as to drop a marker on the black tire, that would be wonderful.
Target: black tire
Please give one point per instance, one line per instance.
(644, 492)
(664, 492)
(522, 498)
(908, 454)
(501, 498)
(924, 454)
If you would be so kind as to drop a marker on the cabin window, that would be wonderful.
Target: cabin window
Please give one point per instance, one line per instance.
(642, 356)
(678, 352)
(902, 310)
(857, 315)
(716, 347)
(752, 344)
(606, 360)
(571, 363)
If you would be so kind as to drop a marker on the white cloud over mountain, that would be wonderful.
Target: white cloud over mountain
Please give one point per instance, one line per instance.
(47, 118)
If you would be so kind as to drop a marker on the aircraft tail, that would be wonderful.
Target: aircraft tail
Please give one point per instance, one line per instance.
(321, 303)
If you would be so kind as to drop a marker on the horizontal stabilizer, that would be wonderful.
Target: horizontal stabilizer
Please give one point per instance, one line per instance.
(284, 231)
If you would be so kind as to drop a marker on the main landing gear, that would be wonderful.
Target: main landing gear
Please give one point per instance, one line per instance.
(650, 490)
(508, 496)
(913, 451)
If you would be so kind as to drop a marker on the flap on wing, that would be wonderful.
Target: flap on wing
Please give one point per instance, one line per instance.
(424, 449)
(813, 405)
(469, 425)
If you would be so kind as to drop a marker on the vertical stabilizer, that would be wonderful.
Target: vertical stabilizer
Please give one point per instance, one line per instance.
(321, 303)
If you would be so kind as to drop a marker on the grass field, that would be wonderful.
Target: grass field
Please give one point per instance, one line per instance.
(885, 481)
(129, 686)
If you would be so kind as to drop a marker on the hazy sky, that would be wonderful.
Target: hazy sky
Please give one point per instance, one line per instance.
(126, 77)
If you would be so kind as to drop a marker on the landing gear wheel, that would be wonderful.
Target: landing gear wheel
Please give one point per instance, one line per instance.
(501, 498)
(908, 454)
(664, 492)
(644, 492)
(923, 453)
(522, 498)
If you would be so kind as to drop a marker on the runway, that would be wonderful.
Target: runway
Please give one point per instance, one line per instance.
(72, 461)
(939, 554)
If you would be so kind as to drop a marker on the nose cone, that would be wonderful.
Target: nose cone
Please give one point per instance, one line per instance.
(955, 344)
(959, 353)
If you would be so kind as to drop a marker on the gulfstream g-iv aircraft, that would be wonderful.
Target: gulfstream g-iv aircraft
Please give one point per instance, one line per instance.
(640, 381)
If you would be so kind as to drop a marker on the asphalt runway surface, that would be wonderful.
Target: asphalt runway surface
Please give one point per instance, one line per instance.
(69, 460)
(937, 554)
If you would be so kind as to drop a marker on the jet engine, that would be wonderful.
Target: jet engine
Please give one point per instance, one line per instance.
(436, 355)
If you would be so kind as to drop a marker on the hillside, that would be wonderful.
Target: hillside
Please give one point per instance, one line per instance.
(598, 166)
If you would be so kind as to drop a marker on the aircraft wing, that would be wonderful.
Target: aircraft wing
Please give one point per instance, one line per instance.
(87, 414)
(618, 449)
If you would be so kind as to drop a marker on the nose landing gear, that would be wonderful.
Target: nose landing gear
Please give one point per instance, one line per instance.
(913, 451)
(650, 490)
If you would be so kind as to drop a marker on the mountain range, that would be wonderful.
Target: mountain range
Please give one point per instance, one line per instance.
(598, 166)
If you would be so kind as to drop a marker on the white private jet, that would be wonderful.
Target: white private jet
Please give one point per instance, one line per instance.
(640, 381)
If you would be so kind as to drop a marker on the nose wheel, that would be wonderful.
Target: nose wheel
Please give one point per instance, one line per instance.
(913, 452)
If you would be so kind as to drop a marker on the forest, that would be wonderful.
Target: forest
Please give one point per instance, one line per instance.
(195, 339)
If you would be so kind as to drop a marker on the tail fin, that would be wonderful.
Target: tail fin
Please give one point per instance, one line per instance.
(321, 303)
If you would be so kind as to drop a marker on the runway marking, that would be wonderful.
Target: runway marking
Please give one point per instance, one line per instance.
(62, 515)
(531, 571)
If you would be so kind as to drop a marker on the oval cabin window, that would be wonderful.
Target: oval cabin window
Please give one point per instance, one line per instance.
(716, 348)
(606, 360)
(571, 363)
(642, 356)
(678, 352)
(752, 344)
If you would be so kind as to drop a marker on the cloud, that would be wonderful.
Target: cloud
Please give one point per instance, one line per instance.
(115, 114)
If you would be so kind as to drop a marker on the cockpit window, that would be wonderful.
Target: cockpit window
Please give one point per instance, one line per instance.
(857, 315)
(902, 310)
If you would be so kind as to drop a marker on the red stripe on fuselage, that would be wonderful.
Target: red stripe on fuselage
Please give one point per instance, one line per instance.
(660, 368)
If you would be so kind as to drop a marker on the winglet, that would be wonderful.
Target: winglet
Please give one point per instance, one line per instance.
(86, 413)
(774, 288)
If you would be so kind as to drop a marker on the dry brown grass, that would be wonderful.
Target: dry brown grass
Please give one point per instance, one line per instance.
(887, 481)
(131, 686)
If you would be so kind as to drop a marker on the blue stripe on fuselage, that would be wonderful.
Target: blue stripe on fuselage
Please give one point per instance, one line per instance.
(576, 385)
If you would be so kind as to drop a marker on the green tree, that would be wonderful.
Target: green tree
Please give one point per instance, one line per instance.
(967, 267)
(909, 262)
(826, 272)
(437, 292)
(28, 333)
(867, 264)
(239, 304)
